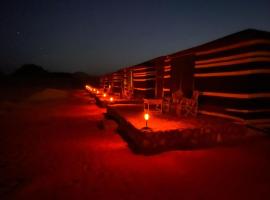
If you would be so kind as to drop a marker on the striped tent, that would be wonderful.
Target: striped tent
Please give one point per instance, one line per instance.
(178, 74)
(166, 78)
(147, 79)
(144, 81)
(107, 81)
(117, 81)
(127, 87)
(233, 76)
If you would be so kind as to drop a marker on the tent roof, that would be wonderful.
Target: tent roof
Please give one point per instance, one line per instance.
(244, 35)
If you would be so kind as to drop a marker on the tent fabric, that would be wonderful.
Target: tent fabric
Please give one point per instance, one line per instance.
(234, 78)
(232, 75)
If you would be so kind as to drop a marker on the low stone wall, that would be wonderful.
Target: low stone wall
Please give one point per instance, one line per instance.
(146, 141)
(100, 103)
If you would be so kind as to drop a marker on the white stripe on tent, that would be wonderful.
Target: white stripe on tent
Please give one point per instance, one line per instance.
(143, 75)
(166, 89)
(144, 89)
(234, 57)
(167, 76)
(152, 71)
(234, 46)
(234, 73)
(141, 68)
(237, 95)
(144, 79)
(167, 67)
(220, 115)
(247, 111)
(234, 62)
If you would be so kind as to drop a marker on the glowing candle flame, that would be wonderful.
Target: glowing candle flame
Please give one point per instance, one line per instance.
(87, 87)
(146, 116)
(111, 99)
(104, 95)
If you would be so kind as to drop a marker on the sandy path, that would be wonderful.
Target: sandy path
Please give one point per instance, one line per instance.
(53, 149)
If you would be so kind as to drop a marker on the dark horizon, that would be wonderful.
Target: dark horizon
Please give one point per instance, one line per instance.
(98, 37)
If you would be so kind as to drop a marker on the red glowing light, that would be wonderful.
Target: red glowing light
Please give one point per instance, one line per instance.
(104, 95)
(88, 87)
(111, 99)
(146, 116)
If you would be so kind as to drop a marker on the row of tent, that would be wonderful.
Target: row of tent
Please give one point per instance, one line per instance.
(232, 75)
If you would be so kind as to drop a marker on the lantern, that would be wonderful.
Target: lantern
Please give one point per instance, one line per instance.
(87, 87)
(146, 118)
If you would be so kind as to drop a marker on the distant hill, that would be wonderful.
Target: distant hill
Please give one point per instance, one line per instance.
(86, 78)
(30, 70)
(31, 75)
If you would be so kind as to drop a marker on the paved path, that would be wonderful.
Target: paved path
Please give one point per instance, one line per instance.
(52, 148)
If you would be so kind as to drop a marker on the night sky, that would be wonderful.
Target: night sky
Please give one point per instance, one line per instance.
(99, 36)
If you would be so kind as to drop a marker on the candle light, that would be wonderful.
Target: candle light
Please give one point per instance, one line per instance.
(146, 118)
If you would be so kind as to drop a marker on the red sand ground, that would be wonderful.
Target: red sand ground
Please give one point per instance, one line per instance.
(51, 148)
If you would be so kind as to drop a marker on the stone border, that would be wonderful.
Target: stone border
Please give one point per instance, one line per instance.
(146, 141)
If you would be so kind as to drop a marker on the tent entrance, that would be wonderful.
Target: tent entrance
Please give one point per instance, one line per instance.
(182, 75)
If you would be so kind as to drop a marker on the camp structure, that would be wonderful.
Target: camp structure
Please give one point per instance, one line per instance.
(231, 75)
(146, 78)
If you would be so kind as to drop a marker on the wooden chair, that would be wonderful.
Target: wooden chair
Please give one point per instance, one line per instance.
(189, 106)
(176, 99)
(166, 104)
(156, 102)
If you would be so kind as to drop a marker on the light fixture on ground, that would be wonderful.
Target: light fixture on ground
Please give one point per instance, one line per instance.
(87, 87)
(146, 118)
